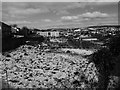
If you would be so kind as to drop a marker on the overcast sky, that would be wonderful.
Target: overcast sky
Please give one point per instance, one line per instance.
(59, 14)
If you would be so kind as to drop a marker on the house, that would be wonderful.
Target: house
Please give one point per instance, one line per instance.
(48, 33)
(54, 34)
(45, 34)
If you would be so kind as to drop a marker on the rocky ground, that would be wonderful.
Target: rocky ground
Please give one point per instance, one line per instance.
(30, 67)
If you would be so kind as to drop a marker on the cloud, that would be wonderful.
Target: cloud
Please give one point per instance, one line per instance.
(28, 11)
(69, 17)
(60, 0)
(0, 11)
(90, 18)
(47, 20)
(60, 8)
(62, 12)
(17, 10)
(94, 14)
(99, 0)
(19, 22)
(49, 13)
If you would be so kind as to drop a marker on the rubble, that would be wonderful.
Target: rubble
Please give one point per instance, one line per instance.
(27, 68)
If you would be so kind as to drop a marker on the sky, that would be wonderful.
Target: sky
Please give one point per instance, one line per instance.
(59, 14)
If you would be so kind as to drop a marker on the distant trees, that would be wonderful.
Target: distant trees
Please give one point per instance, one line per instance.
(14, 25)
(25, 31)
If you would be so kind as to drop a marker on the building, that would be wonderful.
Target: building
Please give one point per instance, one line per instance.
(48, 33)
(45, 34)
(54, 34)
(5, 30)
